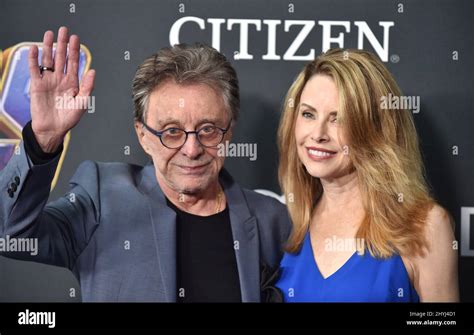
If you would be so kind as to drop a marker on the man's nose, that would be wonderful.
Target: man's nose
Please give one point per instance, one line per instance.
(192, 148)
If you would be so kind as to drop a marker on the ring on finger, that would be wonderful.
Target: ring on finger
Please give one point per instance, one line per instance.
(45, 68)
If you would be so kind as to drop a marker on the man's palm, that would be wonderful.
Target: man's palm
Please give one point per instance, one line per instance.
(57, 100)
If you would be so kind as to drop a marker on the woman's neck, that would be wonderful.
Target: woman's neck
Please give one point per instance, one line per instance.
(341, 195)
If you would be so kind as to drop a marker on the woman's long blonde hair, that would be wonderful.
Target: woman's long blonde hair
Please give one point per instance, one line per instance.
(383, 148)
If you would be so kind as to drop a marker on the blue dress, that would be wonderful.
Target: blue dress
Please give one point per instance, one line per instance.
(362, 278)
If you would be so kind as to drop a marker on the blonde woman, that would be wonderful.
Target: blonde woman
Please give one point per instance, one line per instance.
(365, 227)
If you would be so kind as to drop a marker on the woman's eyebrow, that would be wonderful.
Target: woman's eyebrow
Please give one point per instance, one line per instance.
(308, 106)
(333, 113)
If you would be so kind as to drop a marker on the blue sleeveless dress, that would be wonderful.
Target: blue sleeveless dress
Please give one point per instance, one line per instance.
(362, 278)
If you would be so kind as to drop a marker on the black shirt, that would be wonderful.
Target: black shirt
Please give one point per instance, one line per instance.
(33, 149)
(206, 269)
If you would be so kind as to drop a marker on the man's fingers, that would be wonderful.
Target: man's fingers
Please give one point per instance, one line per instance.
(87, 83)
(33, 62)
(61, 48)
(47, 52)
(73, 56)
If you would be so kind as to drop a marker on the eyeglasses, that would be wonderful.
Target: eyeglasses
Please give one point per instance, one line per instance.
(175, 138)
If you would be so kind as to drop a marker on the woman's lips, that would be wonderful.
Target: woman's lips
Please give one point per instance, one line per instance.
(320, 154)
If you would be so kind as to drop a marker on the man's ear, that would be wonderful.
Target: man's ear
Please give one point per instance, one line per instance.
(140, 130)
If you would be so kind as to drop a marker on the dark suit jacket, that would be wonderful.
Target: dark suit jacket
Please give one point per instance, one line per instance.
(118, 236)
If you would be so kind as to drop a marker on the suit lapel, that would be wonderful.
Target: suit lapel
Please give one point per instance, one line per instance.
(246, 240)
(163, 220)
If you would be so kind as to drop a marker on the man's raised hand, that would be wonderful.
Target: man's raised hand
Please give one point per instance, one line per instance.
(57, 100)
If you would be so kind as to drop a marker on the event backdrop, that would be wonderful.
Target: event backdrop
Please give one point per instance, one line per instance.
(427, 45)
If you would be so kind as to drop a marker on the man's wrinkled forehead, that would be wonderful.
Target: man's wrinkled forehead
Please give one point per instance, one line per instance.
(178, 103)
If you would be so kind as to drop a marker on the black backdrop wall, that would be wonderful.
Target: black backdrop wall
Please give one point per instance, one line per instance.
(427, 45)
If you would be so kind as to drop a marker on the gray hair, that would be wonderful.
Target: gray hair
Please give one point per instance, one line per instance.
(183, 63)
